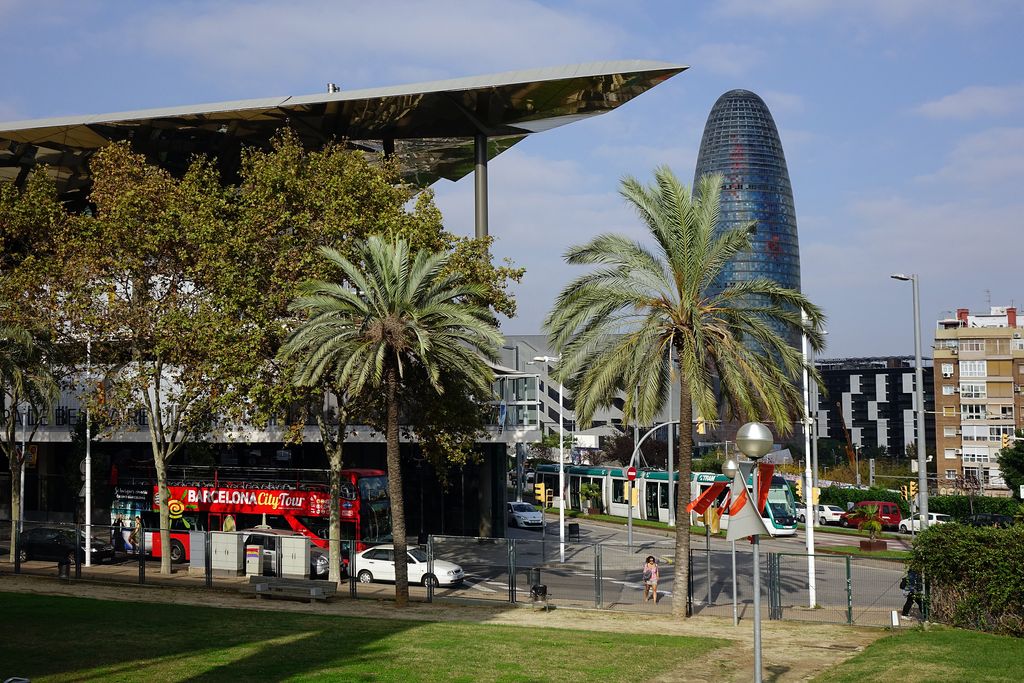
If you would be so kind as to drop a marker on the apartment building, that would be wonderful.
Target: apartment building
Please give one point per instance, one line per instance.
(979, 370)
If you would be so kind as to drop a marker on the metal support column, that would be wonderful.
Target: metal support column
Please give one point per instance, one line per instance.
(480, 184)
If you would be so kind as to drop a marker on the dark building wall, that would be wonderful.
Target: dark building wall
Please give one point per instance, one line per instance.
(879, 407)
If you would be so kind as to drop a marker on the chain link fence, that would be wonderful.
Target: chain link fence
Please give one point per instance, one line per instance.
(542, 571)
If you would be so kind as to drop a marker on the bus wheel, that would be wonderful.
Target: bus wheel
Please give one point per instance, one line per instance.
(365, 577)
(177, 552)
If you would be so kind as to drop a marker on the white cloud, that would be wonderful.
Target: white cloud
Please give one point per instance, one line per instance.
(992, 159)
(726, 59)
(889, 13)
(782, 103)
(392, 41)
(976, 101)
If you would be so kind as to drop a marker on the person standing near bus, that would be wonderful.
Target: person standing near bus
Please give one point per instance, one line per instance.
(651, 575)
(136, 533)
(228, 524)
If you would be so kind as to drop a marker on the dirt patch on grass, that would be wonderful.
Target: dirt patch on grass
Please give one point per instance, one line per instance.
(791, 650)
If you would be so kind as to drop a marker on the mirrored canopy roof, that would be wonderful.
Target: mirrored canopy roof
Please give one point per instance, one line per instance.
(429, 126)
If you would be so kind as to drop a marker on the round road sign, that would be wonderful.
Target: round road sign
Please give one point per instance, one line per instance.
(631, 473)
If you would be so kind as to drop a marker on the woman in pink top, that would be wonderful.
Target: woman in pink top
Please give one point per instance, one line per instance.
(651, 579)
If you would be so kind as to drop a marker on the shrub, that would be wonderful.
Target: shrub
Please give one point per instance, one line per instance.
(974, 576)
(959, 507)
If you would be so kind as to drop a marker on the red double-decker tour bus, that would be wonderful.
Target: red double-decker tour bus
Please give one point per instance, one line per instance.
(215, 505)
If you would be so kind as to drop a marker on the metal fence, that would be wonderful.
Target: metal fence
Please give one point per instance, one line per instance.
(535, 571)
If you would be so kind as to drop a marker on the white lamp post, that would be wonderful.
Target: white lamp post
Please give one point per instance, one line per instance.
(561, 460)
(922, 457)
(754, 440)
(809, 515)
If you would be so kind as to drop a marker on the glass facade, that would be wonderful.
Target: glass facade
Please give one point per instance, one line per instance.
(742, 143)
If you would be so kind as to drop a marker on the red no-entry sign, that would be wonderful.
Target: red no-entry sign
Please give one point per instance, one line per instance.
(631, 473)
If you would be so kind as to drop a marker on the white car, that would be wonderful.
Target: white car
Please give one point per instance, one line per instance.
(914, 524)
(826, 514)
(378, 564)
(524, 515)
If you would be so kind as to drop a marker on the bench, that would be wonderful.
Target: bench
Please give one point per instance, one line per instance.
(301, 589)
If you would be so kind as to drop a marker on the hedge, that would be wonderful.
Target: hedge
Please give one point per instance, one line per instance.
(833, 495)
(959, 507)
(974, 576)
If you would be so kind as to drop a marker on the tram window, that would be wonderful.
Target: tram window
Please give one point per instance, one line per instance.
(618, 491)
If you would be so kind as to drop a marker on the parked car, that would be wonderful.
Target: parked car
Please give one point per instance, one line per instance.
(378, 564)
(889, 512)
(524, 515)
(826, 514)
(990, 519)
(59, 544)
(270, 540)
(914, 523)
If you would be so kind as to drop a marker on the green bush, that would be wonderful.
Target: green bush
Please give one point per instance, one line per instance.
(959, 507)
(833, 495)
(974, 576)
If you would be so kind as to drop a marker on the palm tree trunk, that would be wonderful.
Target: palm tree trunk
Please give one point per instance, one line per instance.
(334, 444)
(681, 592)
(16, 465)
(395, 490)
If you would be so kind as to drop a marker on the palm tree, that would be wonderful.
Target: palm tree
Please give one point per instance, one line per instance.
(617, 325)
(395, 317)
(25, 377)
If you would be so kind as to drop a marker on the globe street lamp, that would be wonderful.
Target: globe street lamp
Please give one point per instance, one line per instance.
(922, 458)
(808, 488)
(754, 440)
(561, 460)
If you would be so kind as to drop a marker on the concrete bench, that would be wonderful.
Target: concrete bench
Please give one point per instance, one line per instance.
(300, 589)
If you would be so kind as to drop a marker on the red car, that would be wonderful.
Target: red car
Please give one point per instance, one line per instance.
(889, 512)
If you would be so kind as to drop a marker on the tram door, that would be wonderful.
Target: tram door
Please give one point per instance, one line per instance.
(651, 500)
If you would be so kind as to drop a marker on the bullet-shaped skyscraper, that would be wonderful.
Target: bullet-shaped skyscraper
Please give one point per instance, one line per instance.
(742, 143)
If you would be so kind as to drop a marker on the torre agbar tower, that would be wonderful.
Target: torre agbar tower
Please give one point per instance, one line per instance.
(742, 143)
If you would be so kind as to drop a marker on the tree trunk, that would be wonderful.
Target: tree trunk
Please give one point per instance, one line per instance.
(160, 461)
(395, 490)
(334, 444)
(15, 494)
(684, 468)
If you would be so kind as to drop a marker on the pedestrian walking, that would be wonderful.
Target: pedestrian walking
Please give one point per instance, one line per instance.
(913, 591)
(651, 575)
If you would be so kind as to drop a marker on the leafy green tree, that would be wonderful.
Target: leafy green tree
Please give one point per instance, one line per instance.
(1011, 464)
(394, 316)
(25, 379)
(615, 326)
(867, 518)
(289, 203)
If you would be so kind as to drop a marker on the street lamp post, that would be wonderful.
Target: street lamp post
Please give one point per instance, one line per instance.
(561, 461)
(729, 469)
(754, 440)
(922, 457)
(808, 488)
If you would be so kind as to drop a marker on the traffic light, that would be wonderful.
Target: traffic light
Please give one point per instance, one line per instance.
(538, 492)
(1006, 440)
(702, 427)
(912, 490)
(799, 486)
(905, 492)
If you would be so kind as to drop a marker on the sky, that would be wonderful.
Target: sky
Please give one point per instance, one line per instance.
(901, 120)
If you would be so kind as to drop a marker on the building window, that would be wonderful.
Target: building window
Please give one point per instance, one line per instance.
(947, 390)
(973, 368)
(972, 344)
(948, 411)
(973, 390)
(950, 474)
(996, 433)
(949, 431)
(972, 412)
(1006, 412)
(947, 370)
(950, 454)
(976, 433)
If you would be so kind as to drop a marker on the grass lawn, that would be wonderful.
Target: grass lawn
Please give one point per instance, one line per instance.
(936, 654)
(49, 638)
(903, 555)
